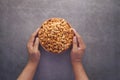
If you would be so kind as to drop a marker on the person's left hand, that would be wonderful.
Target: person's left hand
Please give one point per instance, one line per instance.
(33, 50)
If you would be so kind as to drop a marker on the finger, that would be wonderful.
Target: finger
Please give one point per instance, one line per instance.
(80, 40)
(74, 44)
(36, 45)
(32, 37)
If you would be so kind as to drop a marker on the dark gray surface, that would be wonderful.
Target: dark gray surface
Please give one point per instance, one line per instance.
(98, 21)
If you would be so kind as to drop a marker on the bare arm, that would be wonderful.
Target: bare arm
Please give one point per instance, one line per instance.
(76, 57)
(34, 57)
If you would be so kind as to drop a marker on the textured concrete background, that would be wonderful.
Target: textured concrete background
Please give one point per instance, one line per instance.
(98, 22)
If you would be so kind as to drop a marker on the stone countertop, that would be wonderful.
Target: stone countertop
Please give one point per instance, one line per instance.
(98, 22)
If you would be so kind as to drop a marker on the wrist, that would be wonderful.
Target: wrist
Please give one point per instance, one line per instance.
(34, 60)
(74, 63)
(77, 65)
(34, 63)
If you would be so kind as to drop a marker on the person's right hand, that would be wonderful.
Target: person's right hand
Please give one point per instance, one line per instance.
(78, 48)
(76, 57)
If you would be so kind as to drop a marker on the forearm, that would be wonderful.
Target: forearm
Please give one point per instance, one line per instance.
(28, 72)
(79, 71)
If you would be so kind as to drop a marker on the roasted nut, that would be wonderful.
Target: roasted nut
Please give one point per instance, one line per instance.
(55, 35)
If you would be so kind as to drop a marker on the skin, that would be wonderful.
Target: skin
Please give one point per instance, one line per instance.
(76, 57)
(34, 57)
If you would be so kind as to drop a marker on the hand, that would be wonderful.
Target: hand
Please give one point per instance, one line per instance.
(32, 45)
(78, 48)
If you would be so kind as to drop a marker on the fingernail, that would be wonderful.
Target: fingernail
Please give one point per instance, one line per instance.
(37, 38)
(74, 38)
(79, 48)
(73, 29)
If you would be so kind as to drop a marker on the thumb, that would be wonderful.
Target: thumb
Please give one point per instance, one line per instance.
(36, 45)
(74, 43)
